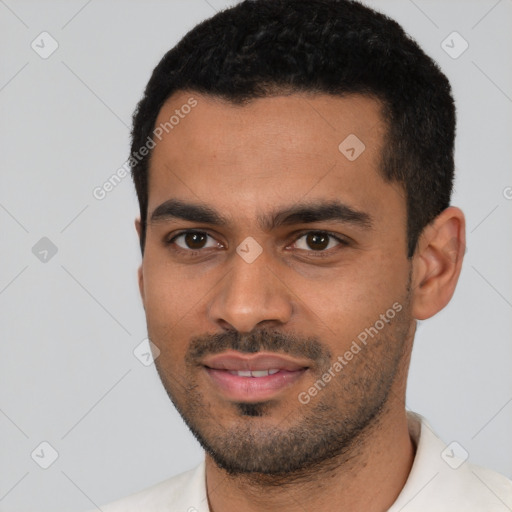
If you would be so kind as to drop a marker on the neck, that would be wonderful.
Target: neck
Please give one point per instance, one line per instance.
(367, 478)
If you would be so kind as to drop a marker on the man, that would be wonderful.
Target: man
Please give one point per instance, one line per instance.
(293, 161)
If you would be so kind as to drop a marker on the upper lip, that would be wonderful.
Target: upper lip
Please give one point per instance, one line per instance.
(236, 361)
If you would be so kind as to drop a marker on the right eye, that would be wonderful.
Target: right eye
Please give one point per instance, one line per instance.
(193, 241)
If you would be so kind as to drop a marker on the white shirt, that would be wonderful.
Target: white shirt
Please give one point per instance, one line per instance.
(439, 481)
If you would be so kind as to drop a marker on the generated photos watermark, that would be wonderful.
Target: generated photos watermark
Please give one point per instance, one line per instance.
(305, 397)
(101, 191)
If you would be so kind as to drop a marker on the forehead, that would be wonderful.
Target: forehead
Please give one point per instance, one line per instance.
(270, 150)
(300, 123)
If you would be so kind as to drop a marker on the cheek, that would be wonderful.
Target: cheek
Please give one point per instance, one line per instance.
(354, 298)
(168, 292)
(173, 301)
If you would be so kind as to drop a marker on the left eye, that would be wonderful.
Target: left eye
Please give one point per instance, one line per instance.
(317, 241)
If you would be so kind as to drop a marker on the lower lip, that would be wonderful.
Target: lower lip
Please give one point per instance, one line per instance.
(253, 389)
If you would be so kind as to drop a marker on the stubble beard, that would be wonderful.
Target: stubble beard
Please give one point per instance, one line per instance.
(324, 433)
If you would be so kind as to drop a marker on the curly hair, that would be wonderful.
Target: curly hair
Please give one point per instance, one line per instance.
(260, 48)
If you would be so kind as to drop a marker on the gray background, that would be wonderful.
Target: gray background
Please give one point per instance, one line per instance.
(69, 324)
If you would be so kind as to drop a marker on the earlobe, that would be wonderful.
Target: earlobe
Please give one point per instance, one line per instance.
(140, 276)
(437, 263)
(140, 273)
(138, 226)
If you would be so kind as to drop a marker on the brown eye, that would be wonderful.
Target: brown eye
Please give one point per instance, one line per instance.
(317, 241)
(195, 240)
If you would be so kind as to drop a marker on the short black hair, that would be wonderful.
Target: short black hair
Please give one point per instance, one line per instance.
(260, 48)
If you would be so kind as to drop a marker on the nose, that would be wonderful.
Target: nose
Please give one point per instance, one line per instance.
(251, 294)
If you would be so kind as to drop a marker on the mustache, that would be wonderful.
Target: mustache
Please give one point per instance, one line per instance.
(258, 341)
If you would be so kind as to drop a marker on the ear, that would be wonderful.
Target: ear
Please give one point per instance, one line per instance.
(437, 263)
(140, 273)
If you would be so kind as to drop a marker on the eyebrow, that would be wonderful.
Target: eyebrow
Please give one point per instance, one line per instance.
(300, 213)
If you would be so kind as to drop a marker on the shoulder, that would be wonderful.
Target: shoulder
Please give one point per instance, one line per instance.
(185, 492)
(472, 488)
(441, 478)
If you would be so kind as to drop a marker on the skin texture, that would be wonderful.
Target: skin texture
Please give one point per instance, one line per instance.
(349, 444)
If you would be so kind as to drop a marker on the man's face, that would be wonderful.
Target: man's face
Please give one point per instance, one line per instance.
(284, 326)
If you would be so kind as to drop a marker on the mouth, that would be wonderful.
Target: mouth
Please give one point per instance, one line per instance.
(253, 377)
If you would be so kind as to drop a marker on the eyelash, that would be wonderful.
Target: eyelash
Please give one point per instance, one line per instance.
(316, 254)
